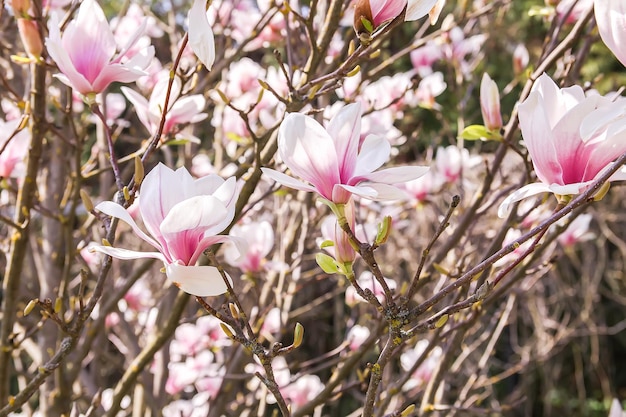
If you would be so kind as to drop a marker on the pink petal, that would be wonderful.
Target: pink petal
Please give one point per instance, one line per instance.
(141, 107)
(345, 129)
(309, 151)
(537, 135)
(286, 180)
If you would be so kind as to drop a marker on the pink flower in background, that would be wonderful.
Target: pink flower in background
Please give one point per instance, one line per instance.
(183, 217)
(86, 52)
(571, 138)
(367, 280)
(451, 161)
(424, 372)
(356, 336)
(334, 163)
(13, 148)
(575, 8)
(577, 231)
(380, 11)
(611, 21)
(260, 239)
(181, 110)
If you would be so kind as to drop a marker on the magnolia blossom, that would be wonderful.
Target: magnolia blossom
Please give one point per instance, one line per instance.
(616, 409)
(86, 53)
(611, 20)
(184, 110)
(334, 161)
(260, 239)
(577, 231)
(571, 138)
(367, 281)
(183, 217)
(425, 370)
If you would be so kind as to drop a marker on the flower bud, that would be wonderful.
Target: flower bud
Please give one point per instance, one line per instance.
(490, 103)
(521, 58)
(20, 7)
(29, 32)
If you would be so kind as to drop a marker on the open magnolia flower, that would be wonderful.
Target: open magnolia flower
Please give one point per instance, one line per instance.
(571, 138)
(334, 161)
(183, 216)
(86, 52)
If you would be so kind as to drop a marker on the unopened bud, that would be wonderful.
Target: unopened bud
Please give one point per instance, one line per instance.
(58, 304)
(233, 311)
(126, 193)
(298, 335)
(31, 38)
(20, 7)
(30, 306)
(139, 171)
(384, 230)
(441, 321)
(86, 201)
(490, 103)
(227, 330)
(407, 411)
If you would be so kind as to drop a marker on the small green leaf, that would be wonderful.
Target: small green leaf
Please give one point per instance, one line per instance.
(327, 243)
(327, 263)
(369, 26)
(475, 132)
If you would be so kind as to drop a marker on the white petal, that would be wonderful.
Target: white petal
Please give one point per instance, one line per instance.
(524, 192)
(397, 175)
(203, 281)
(201, 38)
(120, 253)
(416, 9)
(201, 211)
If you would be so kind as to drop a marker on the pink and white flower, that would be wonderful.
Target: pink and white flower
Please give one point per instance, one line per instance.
(333, 161)
(490, 103)
(86, 52)
(13, 149)
(260, 238)
(571, 138)
(201, 39)
(183, 217)
(181, 111)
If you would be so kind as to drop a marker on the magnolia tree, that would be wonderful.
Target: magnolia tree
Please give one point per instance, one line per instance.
(327, 208)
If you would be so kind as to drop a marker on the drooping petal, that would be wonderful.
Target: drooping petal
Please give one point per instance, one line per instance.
(309, 151)
(115, 210)
(524, 192)
(141, 106)
(202, 281)
(286, 180)
(120, 253)
(611, 21)
(416, 9)
(397, 175)
(201, 38)
(240, 246)
(345, 129)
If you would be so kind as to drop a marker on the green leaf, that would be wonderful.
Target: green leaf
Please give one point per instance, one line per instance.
(327, 263)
